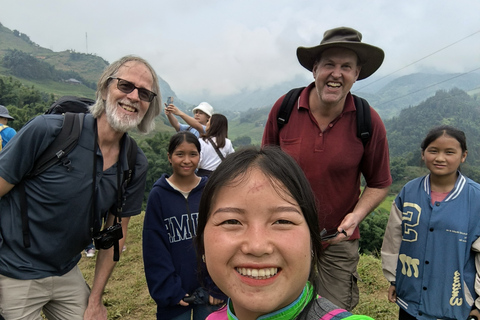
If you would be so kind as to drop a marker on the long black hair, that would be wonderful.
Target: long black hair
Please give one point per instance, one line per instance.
(285, 176)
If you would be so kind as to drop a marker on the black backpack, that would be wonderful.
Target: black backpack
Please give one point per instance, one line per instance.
(364, 118)
(74, 110)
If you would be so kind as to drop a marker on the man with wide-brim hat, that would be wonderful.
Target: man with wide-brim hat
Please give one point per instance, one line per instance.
(321, 135)
(6, 132)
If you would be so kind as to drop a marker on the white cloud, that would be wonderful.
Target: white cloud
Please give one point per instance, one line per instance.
(222, 47)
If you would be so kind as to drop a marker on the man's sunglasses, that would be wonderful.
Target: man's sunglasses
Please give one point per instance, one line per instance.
(127, 87)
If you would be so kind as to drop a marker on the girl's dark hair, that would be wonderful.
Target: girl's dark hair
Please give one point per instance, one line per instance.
(285, 176)
(439, 131)
(218, 129)
(178, 138)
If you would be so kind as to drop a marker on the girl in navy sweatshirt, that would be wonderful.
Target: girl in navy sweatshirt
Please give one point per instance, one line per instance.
(169, 227)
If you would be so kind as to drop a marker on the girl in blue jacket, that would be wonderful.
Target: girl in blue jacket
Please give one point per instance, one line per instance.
(431, 241)
(169, 227)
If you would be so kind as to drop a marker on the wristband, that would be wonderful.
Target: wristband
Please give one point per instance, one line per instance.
(393, 284)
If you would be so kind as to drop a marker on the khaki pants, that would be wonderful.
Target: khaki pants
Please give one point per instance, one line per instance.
(63, 297)
(338, 274)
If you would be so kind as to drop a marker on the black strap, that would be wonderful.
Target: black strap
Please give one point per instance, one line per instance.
(65, 141)
(364, 119)
(216, 148)
(57, 151)
(23, 214)
(287, 106)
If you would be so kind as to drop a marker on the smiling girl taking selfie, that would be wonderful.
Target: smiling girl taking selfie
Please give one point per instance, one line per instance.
(259, 236)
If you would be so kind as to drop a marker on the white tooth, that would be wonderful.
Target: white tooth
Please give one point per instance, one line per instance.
(249, 272)
(261, 273)
(273, 271)
(254, 273)
(244, 271)
(267, 272)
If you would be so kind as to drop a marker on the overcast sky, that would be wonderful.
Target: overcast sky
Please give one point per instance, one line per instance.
(216, 47)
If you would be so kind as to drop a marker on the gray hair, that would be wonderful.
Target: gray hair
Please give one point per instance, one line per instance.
(147, 124)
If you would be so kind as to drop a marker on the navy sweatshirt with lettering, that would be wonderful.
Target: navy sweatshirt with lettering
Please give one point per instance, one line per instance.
(168, 251)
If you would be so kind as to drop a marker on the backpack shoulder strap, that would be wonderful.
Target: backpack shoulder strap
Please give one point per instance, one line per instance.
(364, 119)
(65, 141)
(287, 106)
(131, 158)
(57, 151)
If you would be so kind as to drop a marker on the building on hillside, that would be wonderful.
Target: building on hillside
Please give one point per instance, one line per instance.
(73, 81)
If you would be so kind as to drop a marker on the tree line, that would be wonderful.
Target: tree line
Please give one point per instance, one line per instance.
(404, 132)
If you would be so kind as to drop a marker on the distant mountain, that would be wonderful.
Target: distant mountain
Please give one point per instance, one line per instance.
(88, 66)
(258, 98)
(411, 90)
(388, 97)
(455, 107)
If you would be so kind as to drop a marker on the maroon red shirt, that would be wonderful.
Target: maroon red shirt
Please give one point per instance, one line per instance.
(333, 159)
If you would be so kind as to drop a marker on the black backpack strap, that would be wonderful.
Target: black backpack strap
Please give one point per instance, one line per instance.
(23, 214)
(64, 143)
(364, 119)
(57, 151)
(216, 148)
(132, 158)
(287, 106)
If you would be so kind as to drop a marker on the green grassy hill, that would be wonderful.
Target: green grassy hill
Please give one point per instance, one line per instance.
(89, 66)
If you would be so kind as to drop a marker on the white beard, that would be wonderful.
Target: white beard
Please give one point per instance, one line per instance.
(119, 121)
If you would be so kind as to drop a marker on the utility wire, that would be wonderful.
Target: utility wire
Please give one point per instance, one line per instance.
(432, 85)
(408, 65)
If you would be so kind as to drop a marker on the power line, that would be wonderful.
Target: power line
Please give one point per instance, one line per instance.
(427, 56)
(432, 85)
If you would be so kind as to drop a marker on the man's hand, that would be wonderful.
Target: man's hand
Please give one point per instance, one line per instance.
(346, 228)
(95, 311)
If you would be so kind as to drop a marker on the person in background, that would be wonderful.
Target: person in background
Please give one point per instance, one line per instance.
(196, 124)
(6, 132)
(168, 230)
(63, 207)
(259, 236)
(215, 145)
(321, 135)
(431, 247)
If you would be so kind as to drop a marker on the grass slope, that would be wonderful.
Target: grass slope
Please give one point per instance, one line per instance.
(127, 297)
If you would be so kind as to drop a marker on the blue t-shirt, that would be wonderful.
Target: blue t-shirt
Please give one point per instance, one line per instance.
(7, 134)
(186, 127)
(59, 202)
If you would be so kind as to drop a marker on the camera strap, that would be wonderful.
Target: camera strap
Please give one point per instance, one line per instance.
(120, 194)
(120, 201)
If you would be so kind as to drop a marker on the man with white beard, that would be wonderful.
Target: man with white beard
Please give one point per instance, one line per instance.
(64, 210)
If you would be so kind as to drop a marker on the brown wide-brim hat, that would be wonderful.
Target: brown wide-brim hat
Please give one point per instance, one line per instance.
(370, 57)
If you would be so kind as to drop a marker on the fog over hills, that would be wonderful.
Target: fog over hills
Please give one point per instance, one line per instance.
(387, 96)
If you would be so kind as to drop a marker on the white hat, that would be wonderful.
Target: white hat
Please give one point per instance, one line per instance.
(204, 107)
